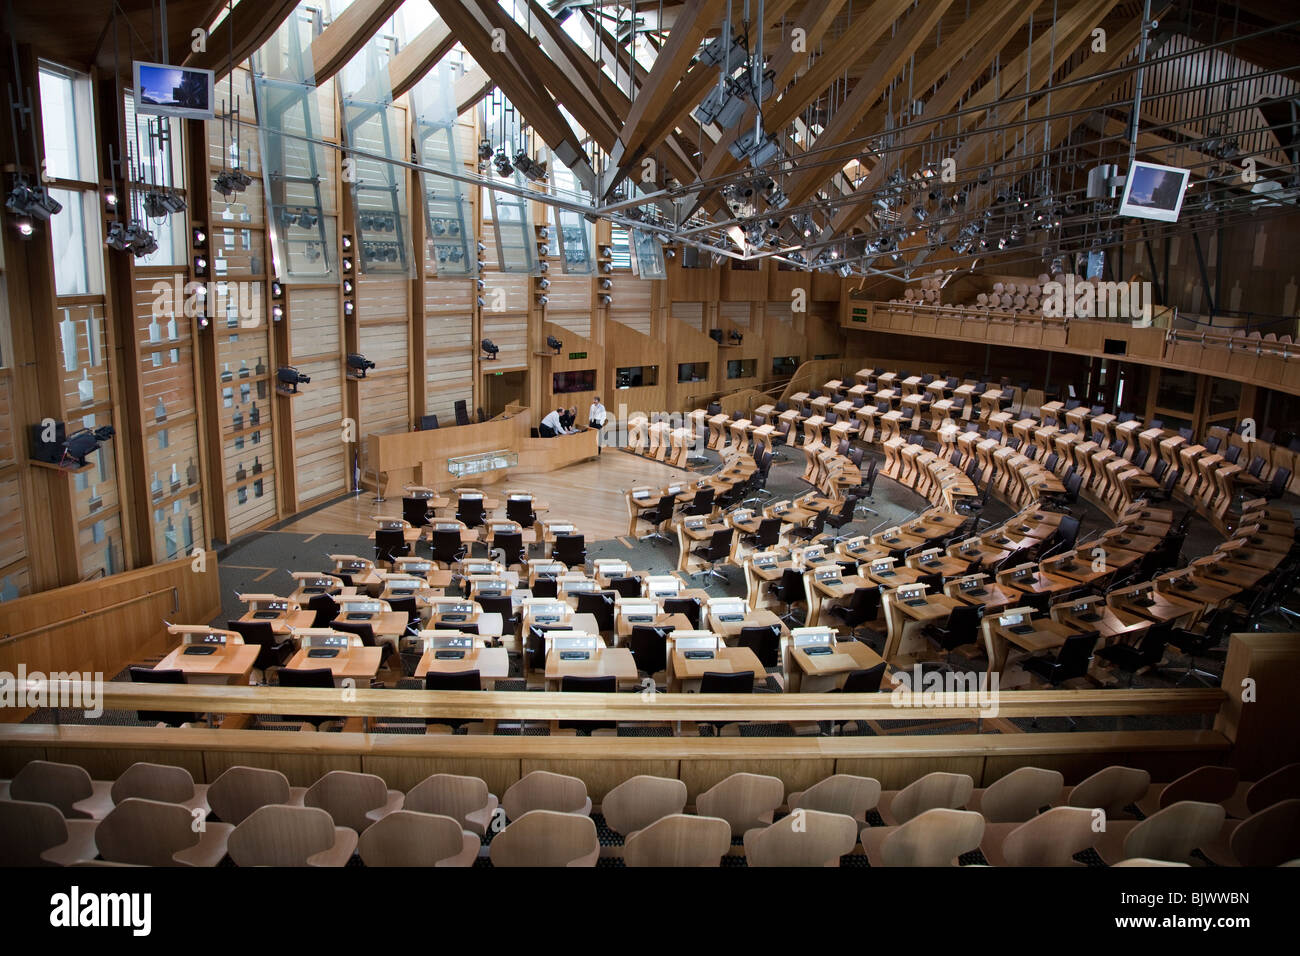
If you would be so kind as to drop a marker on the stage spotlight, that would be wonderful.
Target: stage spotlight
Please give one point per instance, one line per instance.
(490, 350)
(289, 376)
(553, 343)
(358, 365)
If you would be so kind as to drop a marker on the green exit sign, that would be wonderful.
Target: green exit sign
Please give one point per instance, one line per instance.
(577, 355)
(859, 315)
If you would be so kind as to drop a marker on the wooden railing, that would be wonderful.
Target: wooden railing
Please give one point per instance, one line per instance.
(513, 705)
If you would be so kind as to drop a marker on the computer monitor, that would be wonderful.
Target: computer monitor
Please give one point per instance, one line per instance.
(164, 89)
(1153, 191)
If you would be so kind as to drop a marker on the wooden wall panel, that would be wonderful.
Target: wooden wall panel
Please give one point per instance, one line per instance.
(509, 330)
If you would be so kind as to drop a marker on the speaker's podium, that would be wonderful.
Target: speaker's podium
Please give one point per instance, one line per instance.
(487, 451)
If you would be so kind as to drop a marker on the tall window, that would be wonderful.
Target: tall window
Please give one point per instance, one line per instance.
(68, 123)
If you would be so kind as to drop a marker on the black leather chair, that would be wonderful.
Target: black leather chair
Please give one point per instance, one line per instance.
(274, 652)
(469, 511)
(416, 511)
(738, 682)
(648, 646)
(512, 543)
(767, 535)
(1070, 661)
(390, 544)
(545, 586)
(702, 503)
(843, 516)
(460, 680)
(447, 547)
(521, 512)
(599, 604)
(411, 608)
(715, 552)
(962, 627)
(862, 607)
(505, 607)
(810, 530)
(1148, 651)
(325, 608)
(657, 517)
(864, 681)
(367, 634)
(462, 412)
(172, 718)
(570, 549)
(789, 590)
(570, 684)
(689, 607)
(764, 641)
(317, 677)
(626, 586)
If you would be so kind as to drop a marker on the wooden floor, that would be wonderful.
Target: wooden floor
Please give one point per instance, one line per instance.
(589, 494)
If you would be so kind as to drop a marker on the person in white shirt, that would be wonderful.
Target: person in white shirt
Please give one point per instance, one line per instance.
(596, 419)
(550, 425)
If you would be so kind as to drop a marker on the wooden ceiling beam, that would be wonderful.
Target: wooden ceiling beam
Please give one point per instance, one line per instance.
(419, 56)
(657, 91)
(347, 35)
(911, 33)
(246, 28)
(509, 72)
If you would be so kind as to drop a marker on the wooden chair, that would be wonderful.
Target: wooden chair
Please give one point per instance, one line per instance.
(1112, 789)
(678, 839)
(1204, 784)
(238, 792)
(353, 800)
(1172, 834)
(543, 790)
(63, 785)
(639, 801)
(154, 833)
(36, 834)
(842, 793)
(744, 800)
(155, 781)
(1018, 796)
(408, 838)
(1250, 798)
(803, 838)
(290, 836)
(465, 799)
(933, 838)
(1049, 839)
(933, 791)
(1270, 837)
(546, 838)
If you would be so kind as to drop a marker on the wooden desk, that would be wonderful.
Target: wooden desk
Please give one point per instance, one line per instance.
(896, 576)
(1167, 607)
(383, 624)
(492, 664)
(1046, 635)
(1041, 582)
(686, 673)
(605, 662)
(821, 672)
(1075, 568)
(284, 623)
(228, 664)
(730, 630)
(676, 622)
(1109, 623)
(994, 598)
(351, 663)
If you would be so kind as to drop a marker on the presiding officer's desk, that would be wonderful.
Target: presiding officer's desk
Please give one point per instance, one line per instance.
(422, 458)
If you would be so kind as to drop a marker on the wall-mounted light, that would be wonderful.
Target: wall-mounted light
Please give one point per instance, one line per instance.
(542, 300)
(604, 299)
(358, 364)
(553, 343)
(490, 350)
(347, 242)
(349, 307)
(347, 286)
(277, 313)
(606, 283)
(544, 284)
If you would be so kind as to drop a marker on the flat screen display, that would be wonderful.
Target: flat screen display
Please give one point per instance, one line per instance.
(582, 380)
(173, 90)
(1154, 192)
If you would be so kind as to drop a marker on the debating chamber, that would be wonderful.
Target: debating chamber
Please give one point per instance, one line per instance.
(620, 433)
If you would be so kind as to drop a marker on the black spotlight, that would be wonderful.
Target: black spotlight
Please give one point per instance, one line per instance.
(291, 377)
(358, 364)
(716, 335)
(553, 343)
(490, 350)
